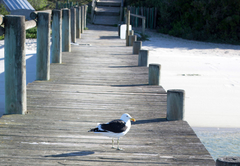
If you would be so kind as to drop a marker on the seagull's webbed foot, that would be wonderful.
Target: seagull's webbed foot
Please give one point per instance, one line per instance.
(119, 148)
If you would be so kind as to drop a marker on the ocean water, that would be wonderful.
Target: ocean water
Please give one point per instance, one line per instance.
(220, 141)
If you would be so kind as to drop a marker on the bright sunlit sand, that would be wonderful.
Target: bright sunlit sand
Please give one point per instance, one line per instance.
(209, 73)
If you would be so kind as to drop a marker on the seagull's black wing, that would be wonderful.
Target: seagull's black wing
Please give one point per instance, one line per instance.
(116, 126)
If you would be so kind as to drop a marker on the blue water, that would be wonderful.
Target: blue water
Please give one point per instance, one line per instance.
(220, 141)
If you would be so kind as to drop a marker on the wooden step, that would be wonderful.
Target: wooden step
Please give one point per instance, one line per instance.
(106, 20)
(107, 11)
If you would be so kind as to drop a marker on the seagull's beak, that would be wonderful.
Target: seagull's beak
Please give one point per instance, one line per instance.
(132, 119)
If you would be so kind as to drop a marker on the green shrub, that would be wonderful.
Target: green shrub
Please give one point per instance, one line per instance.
(2, 37)
(31, 33)
(38, 4)
(3, 10)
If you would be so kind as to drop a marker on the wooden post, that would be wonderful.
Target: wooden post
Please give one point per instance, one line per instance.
(175, 104)
(131, 32)
(57, 36)
(15, 65)
(78, 22)
(155, 18)
(137, 45)
(132, 39)
(82, 29)
(128, 23)
(85, 15)
(66, 31)
(43, 46)
(125, 15)
(93, 9)
(228, 161)
(143, 58)
(143, 26)
(154, 74)
(136, 21)
(73, 24)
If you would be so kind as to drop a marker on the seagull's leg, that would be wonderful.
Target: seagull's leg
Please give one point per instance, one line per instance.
(118, 145)
(113, 144)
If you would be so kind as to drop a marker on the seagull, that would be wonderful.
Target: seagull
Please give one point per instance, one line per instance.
(115, 128)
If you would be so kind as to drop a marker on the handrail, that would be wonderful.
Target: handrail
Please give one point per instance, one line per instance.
(143, 21)
(30, 24)
(139, 16)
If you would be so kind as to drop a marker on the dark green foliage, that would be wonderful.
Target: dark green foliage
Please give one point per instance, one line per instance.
(206, 20)
(31, 33)
(3, 10)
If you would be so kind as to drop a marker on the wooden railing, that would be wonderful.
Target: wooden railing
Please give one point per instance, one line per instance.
(128, 18)
(14, 31)
(143, 22)
(93, 10)
(121, 11)
(149, 13)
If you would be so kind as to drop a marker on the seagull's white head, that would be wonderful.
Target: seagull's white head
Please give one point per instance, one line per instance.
(125, 117)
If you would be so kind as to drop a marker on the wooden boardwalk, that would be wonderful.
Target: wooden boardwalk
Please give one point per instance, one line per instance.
(98, 81)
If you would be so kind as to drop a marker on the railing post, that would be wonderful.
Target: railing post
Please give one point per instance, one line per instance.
(15, 65)
(66, 31)
(92, 11)
(85, 15)
(154, 74)
(131, 32)
(43, 46)
(57, 36)
(83, 21)
(175, 104)
(128, 23)
(143, 26)
(73, 24)
(78, 22)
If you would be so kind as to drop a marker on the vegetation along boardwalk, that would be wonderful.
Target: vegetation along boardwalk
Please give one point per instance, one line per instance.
(97, 82)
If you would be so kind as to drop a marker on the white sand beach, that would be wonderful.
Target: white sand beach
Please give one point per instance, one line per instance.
(209, 73)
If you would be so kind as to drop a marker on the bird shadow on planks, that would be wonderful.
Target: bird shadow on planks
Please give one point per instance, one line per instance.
(81, 153)
(157, 120)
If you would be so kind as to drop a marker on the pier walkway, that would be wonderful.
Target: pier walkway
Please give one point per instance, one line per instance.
(98, 81)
